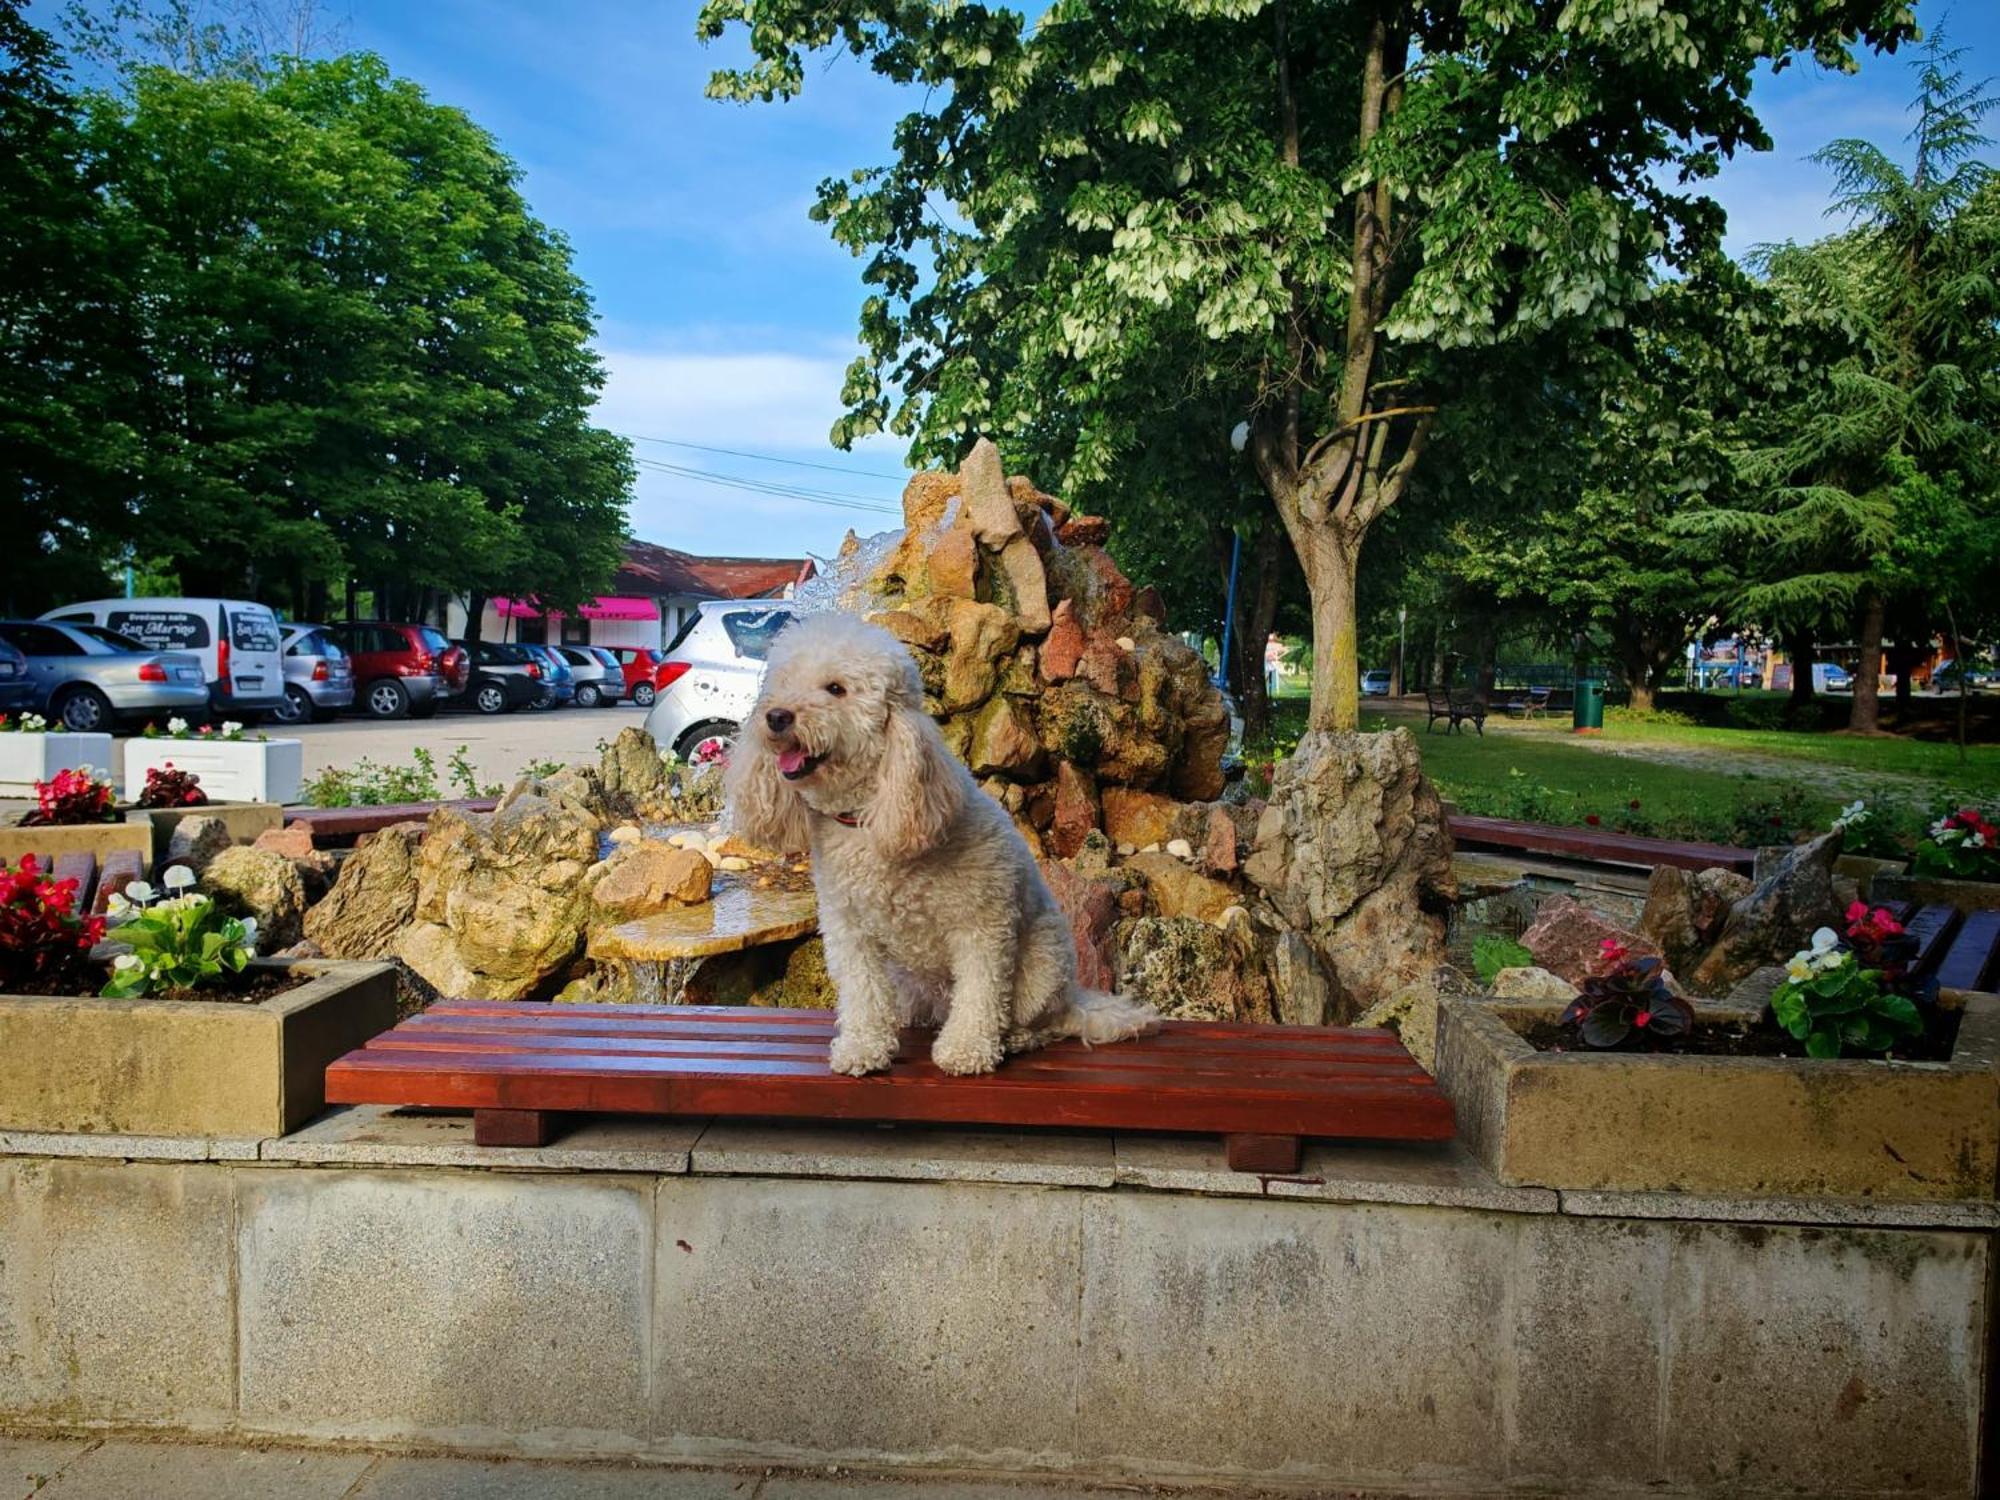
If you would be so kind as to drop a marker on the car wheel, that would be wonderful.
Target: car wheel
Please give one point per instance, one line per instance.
(643, 695)
(586, 695)
(387, 699)
(85, 710)
(297, 707)
(706, 742)
(490, 698)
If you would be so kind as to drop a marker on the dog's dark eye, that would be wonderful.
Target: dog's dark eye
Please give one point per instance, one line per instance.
(835, 690)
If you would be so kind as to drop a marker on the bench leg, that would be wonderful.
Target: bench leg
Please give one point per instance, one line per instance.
(513, 1127)
(1261, 1153)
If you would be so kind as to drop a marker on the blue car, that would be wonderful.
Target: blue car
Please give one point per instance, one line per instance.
(559, 682)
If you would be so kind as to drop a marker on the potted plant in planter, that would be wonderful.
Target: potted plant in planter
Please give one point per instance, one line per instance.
(233, 765)
(1957, 862)
(1849, 1081)
(74, 814)
(31, 752)
(171, 1025)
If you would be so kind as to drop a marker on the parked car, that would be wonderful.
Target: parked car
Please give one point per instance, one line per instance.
(17, 687)
(558, 681)
(400, 669)
(1374, 684)
(596, 684)
(639, 665)
(1945, 679)
(1830, 677)
(504, 676)
(615, 688)
(319, 678)
(90, 678)
(236, 641)
(709, 679)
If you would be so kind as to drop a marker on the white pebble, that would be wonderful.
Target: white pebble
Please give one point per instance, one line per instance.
(1126, 643)
(732, 862)
(1124, 849)
(1180, 849)
(626, 834)
(1150, 849)
(707, 853)
(679, 840)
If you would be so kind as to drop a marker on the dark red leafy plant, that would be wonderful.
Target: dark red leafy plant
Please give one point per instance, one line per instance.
(166, 787)
(72, 797)
(1627, 1003)
(43, 938)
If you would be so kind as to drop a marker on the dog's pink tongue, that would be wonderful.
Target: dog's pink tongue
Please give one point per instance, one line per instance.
(792, 761)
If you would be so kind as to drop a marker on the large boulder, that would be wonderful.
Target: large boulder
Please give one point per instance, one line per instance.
(1776, 918)
(1352, 851)
(1529, 983)
(1302, 991)
(1138, 818)
(373, 898)
(1685, 911)
(1180, 890)
(1191, 970)
(196, 841)
(649, 877)
(258, 883)
(631, 773)
(1411, 1013)
(1567, 938)
(295, 842)
(1090, 904)
(501, 900)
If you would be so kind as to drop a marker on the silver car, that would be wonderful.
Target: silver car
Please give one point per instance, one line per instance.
(319, 677)
(596, 684)
(709, 678)
(90, 678)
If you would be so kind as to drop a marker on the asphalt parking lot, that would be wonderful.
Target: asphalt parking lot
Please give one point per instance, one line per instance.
(497, 745)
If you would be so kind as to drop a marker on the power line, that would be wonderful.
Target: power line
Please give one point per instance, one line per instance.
(763, 458)
(839, 501)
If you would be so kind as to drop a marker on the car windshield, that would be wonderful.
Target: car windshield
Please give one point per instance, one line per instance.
(751, 632)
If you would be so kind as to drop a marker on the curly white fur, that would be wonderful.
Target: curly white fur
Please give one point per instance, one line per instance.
(929, 900)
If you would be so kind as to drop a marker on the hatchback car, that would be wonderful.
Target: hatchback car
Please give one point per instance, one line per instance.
(596, 684)
(558, 681)
(17, 688)
(1374, 684)
(639, 665)
(709, 679)
(400, 669)
(504, 676)
(90, 678)
(319, 679)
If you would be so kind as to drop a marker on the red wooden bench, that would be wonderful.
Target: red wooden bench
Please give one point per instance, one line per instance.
(1596, 843)
(1262, 1088)
(335, 827)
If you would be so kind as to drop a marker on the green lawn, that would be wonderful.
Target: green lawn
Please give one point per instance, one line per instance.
(1719, 785)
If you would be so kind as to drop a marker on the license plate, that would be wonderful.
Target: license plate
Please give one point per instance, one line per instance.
(187, 674)
(250, 684)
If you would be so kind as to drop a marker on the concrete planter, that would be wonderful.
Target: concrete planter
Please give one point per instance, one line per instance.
(187, 1067)
(1966, 895)
(1723, 1125)
(1864, 871)
(28, 758)
(230, 770)
(99, 839)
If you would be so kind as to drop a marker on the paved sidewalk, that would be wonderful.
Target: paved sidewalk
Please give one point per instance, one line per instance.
(124, 1469)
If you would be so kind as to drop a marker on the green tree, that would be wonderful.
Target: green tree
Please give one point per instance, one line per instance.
(1341, 214)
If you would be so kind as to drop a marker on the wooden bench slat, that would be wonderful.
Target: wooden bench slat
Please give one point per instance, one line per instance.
(1973, 961)
(1932, 927)
(1595, 843)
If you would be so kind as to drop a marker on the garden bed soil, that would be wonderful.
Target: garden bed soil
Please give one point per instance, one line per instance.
(259, 984)
(1762, 1038)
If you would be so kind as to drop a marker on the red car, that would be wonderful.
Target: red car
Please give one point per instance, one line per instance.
(641, 667)
(401, 669)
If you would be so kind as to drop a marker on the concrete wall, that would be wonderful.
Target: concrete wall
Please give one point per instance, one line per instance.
(1387, 1319)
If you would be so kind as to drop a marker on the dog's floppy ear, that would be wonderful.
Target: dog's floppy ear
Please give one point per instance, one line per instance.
(764, 808)
(922, 788)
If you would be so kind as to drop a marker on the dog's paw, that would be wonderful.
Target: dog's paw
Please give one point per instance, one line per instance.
(965, 1051)
(856, 1056)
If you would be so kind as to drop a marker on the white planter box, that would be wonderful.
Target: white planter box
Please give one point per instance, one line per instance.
(230, 770)
(28, 758)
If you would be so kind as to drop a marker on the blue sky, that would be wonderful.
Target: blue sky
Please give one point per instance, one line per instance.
(727, 317)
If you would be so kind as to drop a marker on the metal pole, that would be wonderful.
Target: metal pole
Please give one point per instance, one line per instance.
(1229, 609)
(1402, 660)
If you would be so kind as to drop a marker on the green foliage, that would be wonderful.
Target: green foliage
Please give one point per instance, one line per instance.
(1962, 844)
(178, 943)
(465, 777)
(369, 784)
(1493, 951)
(1834, 1005)
(1627, 1004)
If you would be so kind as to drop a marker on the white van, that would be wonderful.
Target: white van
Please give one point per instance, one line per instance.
(237, 641)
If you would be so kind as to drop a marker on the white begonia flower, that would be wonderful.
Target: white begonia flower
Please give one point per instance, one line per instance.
(1800, 969)
(178, 877)
(250, 933)
(139, 891)
(177, 726)
(230, 726)
(128, 961)
(1825, 940)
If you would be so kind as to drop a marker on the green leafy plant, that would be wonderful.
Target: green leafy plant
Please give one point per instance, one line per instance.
(1493, 951)
(1834, 1004)
(539, 769)
(179, 729)
(368, 784)
(465, 777)
(1627, 1003)
(1963, 845)
(177, 942)
(24, 724)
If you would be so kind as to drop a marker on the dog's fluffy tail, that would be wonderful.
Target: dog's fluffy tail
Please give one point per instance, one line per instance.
(1093, 1016)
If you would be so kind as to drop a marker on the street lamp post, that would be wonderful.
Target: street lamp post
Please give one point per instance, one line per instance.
(1396, 678)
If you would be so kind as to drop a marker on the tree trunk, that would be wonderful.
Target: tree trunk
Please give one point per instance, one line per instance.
(475, 615)
(1866, 715)
(1641, 689)
(1486, 641)
(1799, 647)
(1336, 679)
(1266, 572)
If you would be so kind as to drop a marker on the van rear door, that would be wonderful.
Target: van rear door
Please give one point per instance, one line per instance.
(256, 663)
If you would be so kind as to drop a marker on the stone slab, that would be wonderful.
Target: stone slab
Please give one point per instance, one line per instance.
(905, 1153)
(120, 1470)
(126, 1147)
(504, 1312)
(847, 1321)
(27, 1464)
(376, 1135)
(739, 916)
(1445, 1175)
(1853, 1212)
(525, 1479)
(115, 1292)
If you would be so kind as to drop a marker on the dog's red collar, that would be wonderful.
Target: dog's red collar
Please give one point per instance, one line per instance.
(846, 820)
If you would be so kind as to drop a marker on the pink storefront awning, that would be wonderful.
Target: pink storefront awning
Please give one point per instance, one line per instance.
(607, 608)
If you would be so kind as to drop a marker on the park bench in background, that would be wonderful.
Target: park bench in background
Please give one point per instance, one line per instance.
(1597, 843)
(519, 1066)
(1455, 708)
(1531, 703)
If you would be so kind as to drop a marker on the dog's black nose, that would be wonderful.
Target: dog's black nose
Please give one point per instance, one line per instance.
(780, 719)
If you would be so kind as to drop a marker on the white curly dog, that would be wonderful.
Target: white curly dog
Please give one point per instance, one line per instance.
(930, 903)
